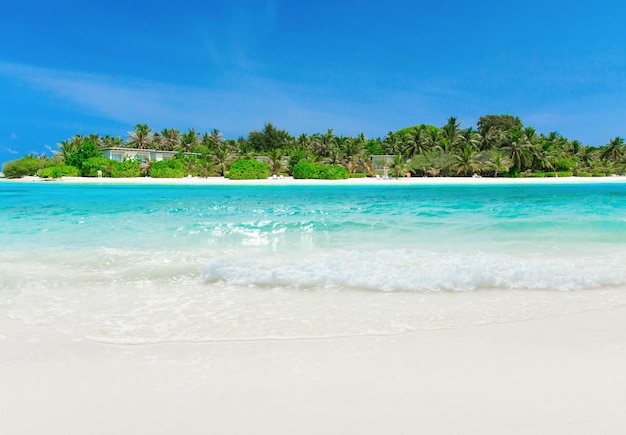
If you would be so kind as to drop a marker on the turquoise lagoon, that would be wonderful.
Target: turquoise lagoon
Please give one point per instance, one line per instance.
(148, 264)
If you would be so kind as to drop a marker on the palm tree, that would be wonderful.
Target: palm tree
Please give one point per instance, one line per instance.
(491, 138)
(108, 141)
(469, 137)
(170, 139)
(499, 164)
(189, 140)
(520, 151)
(417, 143)
(216, 137)
(614, 150)
(222, 155)
(392, 143)
(450, 133)
(465, 162)
(141, 137)
(398, 165)
(67, 147)
(276, 161)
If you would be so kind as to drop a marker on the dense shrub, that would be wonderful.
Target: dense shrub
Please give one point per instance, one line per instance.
(357, 175)
(333, 172)
(305, 170)
(59, 171)
(85, 151)
(24, 166)
(584, 174)
(170, 168)
(538, 174)
(92, 165)
(294, 158)
(565, 173)
(599, 174)
(564, 164)
(125, 169)
(248, 169)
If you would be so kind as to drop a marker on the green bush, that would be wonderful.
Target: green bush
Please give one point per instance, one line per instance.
(305, 170)
(92, 165)
(584, 174)
(357, 175)
(28, 165)
(538, 174)
(294, 158)
(248, 169)
(85, 151)
(599, 174)
(125, 169)
(564, 164)
(59, 171)
(333, 172)
(565, 173)
(170, 168)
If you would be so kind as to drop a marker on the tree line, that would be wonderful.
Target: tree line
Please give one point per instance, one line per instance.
(500, 146)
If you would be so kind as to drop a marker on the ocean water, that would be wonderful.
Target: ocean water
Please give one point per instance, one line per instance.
(149, 264)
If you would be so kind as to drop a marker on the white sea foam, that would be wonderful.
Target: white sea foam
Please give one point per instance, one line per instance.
(139, 297)
(195, 265)
(412, 270)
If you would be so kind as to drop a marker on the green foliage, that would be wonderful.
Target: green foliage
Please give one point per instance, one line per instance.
(513, 173)
(25, 166)
(564, 164)
(92, 165)
(126, 169)
(374, 147)
(85, 150)
(357, 175)
(305, 170)
(59, 171)
(599, 174)
(169, 168)
(248, 169)
(332, 172)
(538, 174)
(416, 128)
(295, 158)
(269, 138)
(499, 122)
(559, 174)
(584, 174)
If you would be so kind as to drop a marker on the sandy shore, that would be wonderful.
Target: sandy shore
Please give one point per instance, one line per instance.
(348, 182)
(562, 375)
(558, 375)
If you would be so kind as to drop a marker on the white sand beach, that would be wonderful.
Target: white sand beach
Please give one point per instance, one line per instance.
(560, 375)
(351, 181)
(549, 375)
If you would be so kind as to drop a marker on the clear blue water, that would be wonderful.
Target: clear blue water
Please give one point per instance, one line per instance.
(145, 264)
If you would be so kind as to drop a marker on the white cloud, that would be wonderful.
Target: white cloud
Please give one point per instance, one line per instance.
(10, 151)
(238, 107)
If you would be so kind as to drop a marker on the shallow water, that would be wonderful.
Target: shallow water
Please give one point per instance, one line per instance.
(148, 264)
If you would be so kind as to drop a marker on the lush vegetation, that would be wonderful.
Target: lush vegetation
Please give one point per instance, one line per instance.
(500, 146)
(171, 168)
(248, 169)
(26, 166)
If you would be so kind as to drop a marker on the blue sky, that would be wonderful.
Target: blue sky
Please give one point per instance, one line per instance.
(71, 67)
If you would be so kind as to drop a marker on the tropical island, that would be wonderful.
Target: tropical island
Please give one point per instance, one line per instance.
(500, 146)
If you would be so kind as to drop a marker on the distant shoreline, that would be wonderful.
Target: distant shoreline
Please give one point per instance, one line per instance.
(221, 181)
